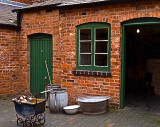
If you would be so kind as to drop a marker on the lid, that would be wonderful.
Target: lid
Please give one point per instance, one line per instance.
(58, 90)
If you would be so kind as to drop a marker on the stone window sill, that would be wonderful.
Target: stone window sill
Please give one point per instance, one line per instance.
(91, 73)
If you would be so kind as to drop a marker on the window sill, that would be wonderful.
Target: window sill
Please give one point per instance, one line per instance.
(91, 73)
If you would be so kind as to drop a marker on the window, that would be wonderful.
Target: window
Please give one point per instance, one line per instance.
(93, 47)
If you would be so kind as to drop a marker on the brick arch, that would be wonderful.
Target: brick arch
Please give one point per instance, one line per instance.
(124, 18)
(139, 15)
(141, 19)
(91, 20)
(38, 34)
(38, 31)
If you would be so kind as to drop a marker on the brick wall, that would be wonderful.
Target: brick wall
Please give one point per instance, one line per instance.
(62, 25)
(89, 85)
(9, 62)
(113, 14)
(48, 22)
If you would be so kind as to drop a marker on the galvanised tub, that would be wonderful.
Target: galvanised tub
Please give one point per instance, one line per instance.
(93, 104)
(58, 99)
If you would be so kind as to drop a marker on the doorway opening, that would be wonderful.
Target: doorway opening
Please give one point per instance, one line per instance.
(142, 63)
(41, 55)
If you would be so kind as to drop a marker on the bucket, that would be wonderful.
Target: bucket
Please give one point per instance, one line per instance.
(58, 98)
(49, 86)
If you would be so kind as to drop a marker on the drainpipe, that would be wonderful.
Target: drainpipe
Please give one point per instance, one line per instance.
(19, 19)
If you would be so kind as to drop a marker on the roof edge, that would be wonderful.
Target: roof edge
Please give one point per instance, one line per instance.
(36, 7)
(13, 3)
(9, 25)
(58, 5)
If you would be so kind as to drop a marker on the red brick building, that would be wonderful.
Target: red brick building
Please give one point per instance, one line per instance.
(91, 47)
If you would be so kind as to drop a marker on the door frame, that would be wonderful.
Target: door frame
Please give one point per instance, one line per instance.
(132, 22)
(38, 35)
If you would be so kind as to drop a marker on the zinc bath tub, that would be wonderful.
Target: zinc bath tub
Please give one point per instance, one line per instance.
(93, 104)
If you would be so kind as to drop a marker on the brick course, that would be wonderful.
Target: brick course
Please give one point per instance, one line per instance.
(9, 62)
(62, 25)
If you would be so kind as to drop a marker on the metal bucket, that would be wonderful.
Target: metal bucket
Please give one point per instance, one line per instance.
(51, 86)
(58, 98)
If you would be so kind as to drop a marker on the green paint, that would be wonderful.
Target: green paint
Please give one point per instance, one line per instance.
(93, 26)
(133, 22)
(40, 50)
(123, 59)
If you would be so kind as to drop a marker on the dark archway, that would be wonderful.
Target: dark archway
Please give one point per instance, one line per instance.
(127, 26)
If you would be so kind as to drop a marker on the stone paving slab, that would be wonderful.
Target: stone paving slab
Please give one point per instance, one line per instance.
(131, 116)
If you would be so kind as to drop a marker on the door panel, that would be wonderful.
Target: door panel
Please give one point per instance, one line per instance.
(40, 50)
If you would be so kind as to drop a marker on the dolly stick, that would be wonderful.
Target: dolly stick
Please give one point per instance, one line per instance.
(48, 73)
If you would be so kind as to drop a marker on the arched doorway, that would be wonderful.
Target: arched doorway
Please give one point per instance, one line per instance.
(40, 51)
(139, 46)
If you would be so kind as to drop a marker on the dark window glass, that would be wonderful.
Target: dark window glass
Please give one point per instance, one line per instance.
(101, 47)
(101, 60)
(85, 59)
(85, 47)
(102, 34)
(85, 34)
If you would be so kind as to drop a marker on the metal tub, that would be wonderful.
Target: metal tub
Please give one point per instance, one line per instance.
(93, 104)
(58, 99)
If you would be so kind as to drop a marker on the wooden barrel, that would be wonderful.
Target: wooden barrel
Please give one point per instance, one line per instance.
(58, 99)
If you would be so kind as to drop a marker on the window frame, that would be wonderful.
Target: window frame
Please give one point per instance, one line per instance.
(93, 27)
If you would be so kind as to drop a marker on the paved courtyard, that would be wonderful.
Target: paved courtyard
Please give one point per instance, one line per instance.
(139, 112)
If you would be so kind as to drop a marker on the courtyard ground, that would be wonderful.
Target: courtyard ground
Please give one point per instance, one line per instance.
(139, 112)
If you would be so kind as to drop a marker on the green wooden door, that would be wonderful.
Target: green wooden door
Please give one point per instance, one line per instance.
(40, 51)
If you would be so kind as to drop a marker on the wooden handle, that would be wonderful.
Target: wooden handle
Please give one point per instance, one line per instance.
(48, 72)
